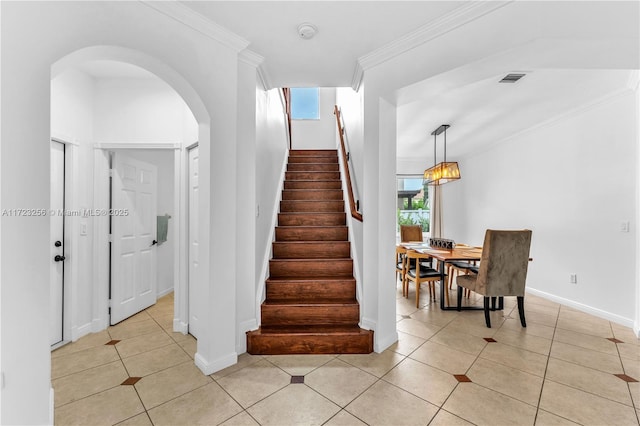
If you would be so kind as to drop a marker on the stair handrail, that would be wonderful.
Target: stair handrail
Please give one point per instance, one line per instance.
(354, 203)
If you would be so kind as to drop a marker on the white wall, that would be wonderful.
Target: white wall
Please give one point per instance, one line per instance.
(36, 36)
(570, 182)
(317, 134)
(271, 157)
(140, 110)
(350, 103)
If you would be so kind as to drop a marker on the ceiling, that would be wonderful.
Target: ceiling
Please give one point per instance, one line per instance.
(347, 30)
(480, 110)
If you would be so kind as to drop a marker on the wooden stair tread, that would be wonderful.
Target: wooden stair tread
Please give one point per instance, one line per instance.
(312, 278)
(315, 302)
(309, 329)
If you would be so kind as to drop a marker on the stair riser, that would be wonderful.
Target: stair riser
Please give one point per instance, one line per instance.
(299, 315)
(312, 219)
(320, 250)
(312, 184)
(310, 268)
(313, 194)
(313, 153)
(311, 234)
(311, 290)
(307, 167)
(312, 159)
(275, 344)
(312, 175)
(312, 206)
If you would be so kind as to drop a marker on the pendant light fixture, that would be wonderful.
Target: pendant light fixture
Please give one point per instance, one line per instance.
(444, 171)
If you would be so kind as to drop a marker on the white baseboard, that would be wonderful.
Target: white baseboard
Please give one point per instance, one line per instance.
(180, 327)
(83, 330)
(164, 292)
(381, 343)
(618, 319)
(211, 367)
(51, 406)
(241, 338)
(99, 324)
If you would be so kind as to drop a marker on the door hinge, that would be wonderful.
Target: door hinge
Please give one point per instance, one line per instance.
(110, 238)
(110, 304)
(110, 172)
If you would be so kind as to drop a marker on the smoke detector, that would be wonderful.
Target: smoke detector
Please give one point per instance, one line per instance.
(306, 30)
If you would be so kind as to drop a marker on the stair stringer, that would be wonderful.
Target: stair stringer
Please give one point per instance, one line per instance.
(268, 251)
(365, 322)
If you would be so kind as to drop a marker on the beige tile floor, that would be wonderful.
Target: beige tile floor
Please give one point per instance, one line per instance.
(560, 370)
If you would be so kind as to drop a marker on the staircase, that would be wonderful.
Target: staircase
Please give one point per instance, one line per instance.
(310, 305)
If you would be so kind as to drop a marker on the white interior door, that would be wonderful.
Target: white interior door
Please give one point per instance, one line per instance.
(194, 323)
(133, 236)
(57, 243)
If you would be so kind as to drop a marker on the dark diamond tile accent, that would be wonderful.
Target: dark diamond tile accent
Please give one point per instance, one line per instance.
(462, 378)
(490, 340)
(131, 381)
(112, 342)
(406, 316)
(297, 379)
(626, 378)
(614, 340)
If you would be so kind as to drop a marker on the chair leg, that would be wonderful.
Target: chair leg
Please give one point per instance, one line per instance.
(459, 294)
(493, 303)
(521, 310)
(446, 294)
(417, 293)
(501, 303)
(487, 317)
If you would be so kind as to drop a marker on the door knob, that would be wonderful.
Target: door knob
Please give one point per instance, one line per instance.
(154, 243)
(58, 258)
(57, 244)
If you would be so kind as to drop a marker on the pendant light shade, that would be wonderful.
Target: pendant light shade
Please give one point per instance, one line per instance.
(444, 171)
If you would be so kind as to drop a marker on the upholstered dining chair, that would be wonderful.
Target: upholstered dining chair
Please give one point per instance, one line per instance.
(420, 274)
(502, 271)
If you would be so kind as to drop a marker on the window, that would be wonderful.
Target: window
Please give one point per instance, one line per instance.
(305, 103)
(413, 203)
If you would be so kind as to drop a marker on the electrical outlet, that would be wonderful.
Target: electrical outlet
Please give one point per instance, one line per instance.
(624, 226)
(573, 278)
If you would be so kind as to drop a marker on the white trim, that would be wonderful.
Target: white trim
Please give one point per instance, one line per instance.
(83, 330)
(199, 22)
(627, 322)
(462, 15)
(137, 145)
(64, 138)
(180, 326)
(51, 405)
(251, 58)
(264, 273)
(211, 367)
(358, 75)
(243, 327)
(164, 292)
(382, 343)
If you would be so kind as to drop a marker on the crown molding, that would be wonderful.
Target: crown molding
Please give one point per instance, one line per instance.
(460, 16)
(198, 22)
(251, 58)
(358, 75)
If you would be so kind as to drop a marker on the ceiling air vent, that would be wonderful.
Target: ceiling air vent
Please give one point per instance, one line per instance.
(511, 78)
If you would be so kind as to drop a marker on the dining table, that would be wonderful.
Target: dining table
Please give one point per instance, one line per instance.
(461, 252)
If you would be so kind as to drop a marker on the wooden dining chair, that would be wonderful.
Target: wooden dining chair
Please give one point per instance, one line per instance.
(400, 264)
(502, 271)
(410, 233)
(419, 273)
